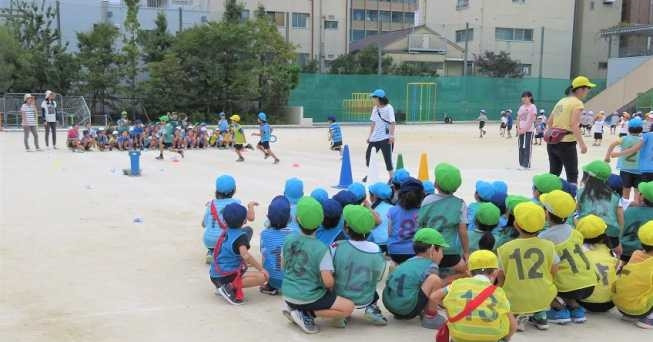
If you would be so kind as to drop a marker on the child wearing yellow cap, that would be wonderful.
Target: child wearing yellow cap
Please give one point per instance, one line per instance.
(528, 264)
(490, 321)
(502, 235)
(575, 278)
(634, 217)
(308, 273)
(410, 289)
(545, 183)
(632, 292)
(359, 264)
(448, 214)
(593, 229)
(597, 198)
(487, 218)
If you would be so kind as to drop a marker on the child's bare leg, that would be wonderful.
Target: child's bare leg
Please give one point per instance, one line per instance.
(636, 200)
(572, 304)
(341, 308)
(429, 287)
(260, 148)
(270, 153)
(253, 279)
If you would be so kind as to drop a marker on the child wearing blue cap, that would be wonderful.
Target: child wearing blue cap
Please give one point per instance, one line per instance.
(320, 195)
(483, 194)
(399, 177)
(345, 197)
(223, 129)
(213, 222)
(272, 239)
(293, 190)
(335, 134)
(331, 229)
(265, 132)
(358, 189)
(380, 197)
(231, 257)
(429, 187)
(628, 164)
(402, 221)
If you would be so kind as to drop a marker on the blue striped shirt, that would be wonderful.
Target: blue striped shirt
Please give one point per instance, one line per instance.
(265, 132)
(336, 132)
(271, 246)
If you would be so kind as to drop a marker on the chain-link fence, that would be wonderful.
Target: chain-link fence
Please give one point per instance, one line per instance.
(70, 109)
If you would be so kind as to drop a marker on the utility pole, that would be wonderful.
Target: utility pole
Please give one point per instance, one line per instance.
(181, 16)
(542, 52)
(378, 39)
(321, 38)
(58, 8)
(466, 48)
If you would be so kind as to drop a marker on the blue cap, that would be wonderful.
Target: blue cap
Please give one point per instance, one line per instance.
(279, 212)
(500, 187)
(571, 188)
(429, 187)
(378, 93)
(234, 215)
(400, 176)
(411, 184)
(635, 122)
(294, 189)
(615, 183)
(484, 190)
(222, 114)
(262, 116)
(358, 189)
(345, 197)
(332, 208)
(225, 184)
(381, 190)
(331, 118)
(320, 195)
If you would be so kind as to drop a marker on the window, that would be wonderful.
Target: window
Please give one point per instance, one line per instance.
(204, 19)
(502, 33)
(300, 20)
(464, 35)
(359, 15)
(385, 16)
(460, 4)
(397, 17)
(526, 69)
(519, 1)
(592, 5)
(371, 16)
(244, 15)
(279, 18)
(603, 65)
(371, 33)
(330, 25)
(156, 3)
(410, 18)
(302, 59)
(357, 35)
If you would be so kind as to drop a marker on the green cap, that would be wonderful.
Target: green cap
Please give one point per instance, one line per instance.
(547, 182)
(164, 118)
(447, 177)
(430, 236)
(309, 213)
(598, 169)
(513, 200)
(358, 218)
(488, 214)
(646, 189)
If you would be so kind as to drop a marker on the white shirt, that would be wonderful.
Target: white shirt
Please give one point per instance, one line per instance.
(598, 126)
(30, 114)
(624, 126)
(50, 110)
(381, 128)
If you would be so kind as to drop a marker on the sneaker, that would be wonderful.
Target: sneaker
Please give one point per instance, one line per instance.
(433, 322)
(645, 323)
(241, 159)
(305, 321)
(559, 316)
(268, 290)
(276, 161)
(539, 321)
(339, 323)
(159, 158)
(227, 292)
(521, 322)
(578, 315)
(181, 153)
(286, 311)
(373, 315)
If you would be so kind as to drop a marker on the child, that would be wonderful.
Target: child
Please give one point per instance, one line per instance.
(399, 177)
(331, 229)
(575, 278)
(482, 119)
(359, 264)
(528, 264)
(264, 132)
(223, 129)
(87, 141)
(335, 134)
(167, 130)
(358, 189)
(293, 190)
(429, 187)
(102, 139)
(507, 233)
(380, 195)
(634, 217)
(308, 274)
(486, 218)
(239, 137)
(540, 127)
(509, 123)
(545, 183)
(73, 139)
(448, 214)
(504, 123)
(272, 239)
(345, 197)
(499, 200)
(410, 290)
(484, 193)
(113, 142)
(491, 320)
(632, 292)
(213, 223)
(402, 221)
(604, 263)
(598, 198)
(320, 195)
(628, 164)
(614, 120)
(231, 257)
(597, 129)
(623, 124)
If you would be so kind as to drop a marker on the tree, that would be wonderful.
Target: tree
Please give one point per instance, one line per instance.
(364, 61)
(130, 48)
(233, 12)
(498, 65)
(12, 60)
(311, 67)
(156, 42)
(414, 69)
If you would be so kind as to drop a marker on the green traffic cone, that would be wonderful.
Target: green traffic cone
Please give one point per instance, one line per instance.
(400, 161)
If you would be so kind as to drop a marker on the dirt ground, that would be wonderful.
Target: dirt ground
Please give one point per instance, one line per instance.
(74, 266)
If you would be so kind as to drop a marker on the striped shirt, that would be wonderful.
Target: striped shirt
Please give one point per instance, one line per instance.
(271, 246)
(29, 118)
(336, 133)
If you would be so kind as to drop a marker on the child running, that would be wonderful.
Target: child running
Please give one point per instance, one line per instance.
(272, 239)
(402, 221)
(482, 119)
(167, 135)
(265, 132)
(335, 134)
(628, 164)
(239, 137)
(597, 128)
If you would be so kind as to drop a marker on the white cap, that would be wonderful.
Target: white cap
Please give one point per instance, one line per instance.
(482, 110)
(26, 96)
(48, 93)
(541, 111)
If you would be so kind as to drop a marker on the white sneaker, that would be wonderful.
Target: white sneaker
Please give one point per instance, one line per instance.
(305, 321)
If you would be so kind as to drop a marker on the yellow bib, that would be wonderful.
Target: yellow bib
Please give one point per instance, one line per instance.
(527, 265)
(488, 322)
(632, 292)
(574, 271)
(605, 267)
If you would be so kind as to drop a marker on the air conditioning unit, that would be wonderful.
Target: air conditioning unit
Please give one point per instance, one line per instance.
(610, 2)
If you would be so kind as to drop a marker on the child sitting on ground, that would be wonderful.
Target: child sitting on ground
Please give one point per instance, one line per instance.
(102, 139)
(380, 195)
(358, 189)
(399, 177)
(335, 134)
(505, 234)
(228, 271)
(293, 190)
(73, 139)
(272, 239)
(320, 195)
(402, 221)
(483, 194)
(359, 264)
(634, 217)
(545, 183)
(487, 218)
(411, 288)
(308, 273)
(331, 229)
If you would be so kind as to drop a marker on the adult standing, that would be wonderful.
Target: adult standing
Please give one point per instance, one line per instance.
(49, 114)
(28, 115)
(565, 119)
(526, 116)
(382, 130)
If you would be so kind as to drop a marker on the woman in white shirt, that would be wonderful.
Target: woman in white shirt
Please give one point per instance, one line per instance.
(28, 115)
(382, 130)
(49, 114)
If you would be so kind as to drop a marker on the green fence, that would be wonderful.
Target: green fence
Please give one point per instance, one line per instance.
(644, 102)
(322, 95)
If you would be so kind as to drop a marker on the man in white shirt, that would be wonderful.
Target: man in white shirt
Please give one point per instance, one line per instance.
(382, 130)
(49, 115)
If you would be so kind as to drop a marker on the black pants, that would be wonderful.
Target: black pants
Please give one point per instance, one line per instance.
(51, 126)
(525, 145)
(386, 149)
(565, 155)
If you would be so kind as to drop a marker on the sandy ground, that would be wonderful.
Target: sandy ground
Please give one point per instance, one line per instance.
(75, 267)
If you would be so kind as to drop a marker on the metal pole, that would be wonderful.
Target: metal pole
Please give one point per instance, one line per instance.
(181, 15)
(542, 52)
(59, 22)
(378, 37)
(321, 38)
(466, 48)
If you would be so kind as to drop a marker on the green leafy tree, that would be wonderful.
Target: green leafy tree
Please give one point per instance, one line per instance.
(232, 11)
(131, 52)
(498, 65)
(13, 59)
(364, 61)
(155, 43)
(414, 69)
(312, 67)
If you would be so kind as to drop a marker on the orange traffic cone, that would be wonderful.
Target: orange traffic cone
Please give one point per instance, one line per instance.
(423, 173)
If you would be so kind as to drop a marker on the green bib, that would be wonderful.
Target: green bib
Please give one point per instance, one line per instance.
(167, 135)
(239, 137)
(634, 217)
(402, 286)
(502, 236)
(357, 272)
(607, 210)
(302, 281)
(443, 215)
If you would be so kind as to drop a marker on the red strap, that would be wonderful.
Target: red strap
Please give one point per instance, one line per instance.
(237, 283)
(473, 304)
(216, 216)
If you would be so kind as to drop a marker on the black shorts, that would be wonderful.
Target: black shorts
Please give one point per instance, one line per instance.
(625, 257)
(503, 125)
(630, 180)
(336, 145)
(400, 258)
(450, 260)
(220, 281)
(577, 294)
(638, 316)
(264, 144)
(324, 303)
(646, 177)
(539, 135)
(598, 136)
(238, 147)
(167, 145)
(597, 307)
(613, 242)
(622, 134)
(481, 124)
(422, 300)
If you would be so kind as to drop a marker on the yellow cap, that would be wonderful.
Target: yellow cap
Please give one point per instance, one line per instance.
(559, 203)
(582, 81)
(529, 217)
(591, 226)
(235, 117)
(645, 234)
(482, 259)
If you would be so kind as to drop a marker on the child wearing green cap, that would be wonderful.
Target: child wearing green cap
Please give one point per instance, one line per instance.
(487, 218)
(308, 273)
(410, 290)
(507, 233)
(634, 217)
(359, 264)
(545, 183)
(483, 194)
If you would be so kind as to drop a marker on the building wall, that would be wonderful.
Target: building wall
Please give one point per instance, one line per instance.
(635, 12)
(395, 14)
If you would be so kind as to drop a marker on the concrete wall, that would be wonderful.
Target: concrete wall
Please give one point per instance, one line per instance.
(625, 90)
(620, 67)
